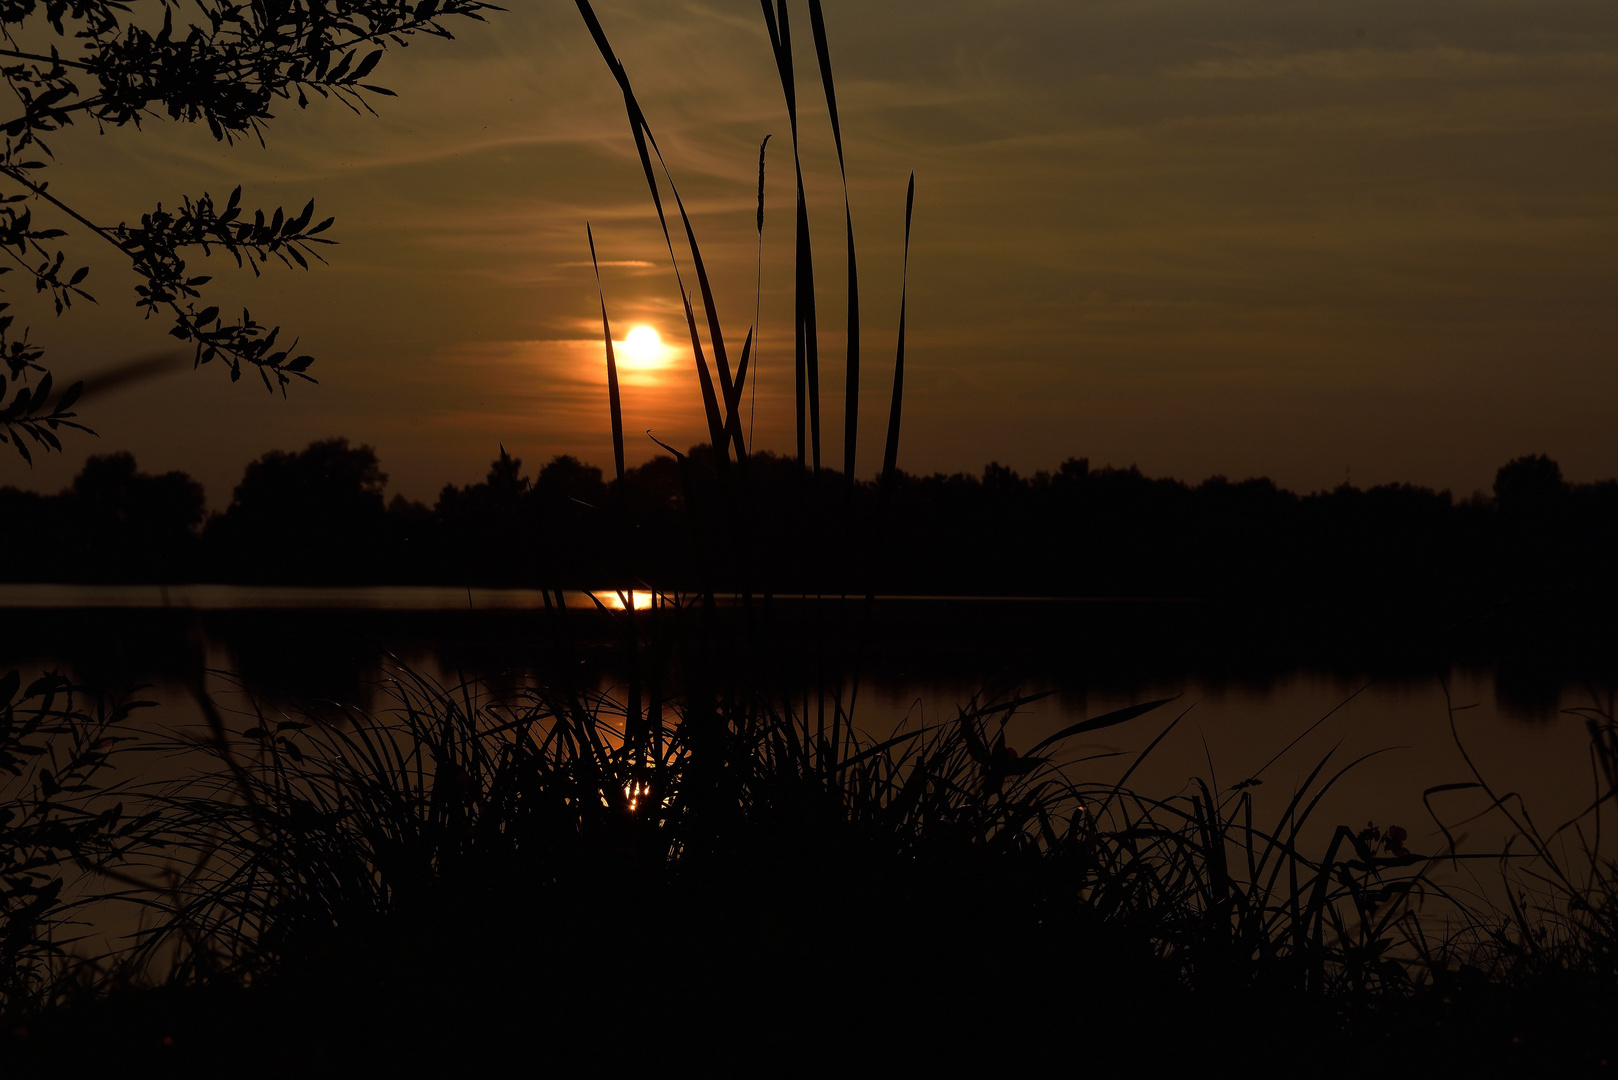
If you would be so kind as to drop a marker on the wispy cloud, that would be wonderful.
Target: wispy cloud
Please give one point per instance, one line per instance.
(1446, 63)
(1134, 220)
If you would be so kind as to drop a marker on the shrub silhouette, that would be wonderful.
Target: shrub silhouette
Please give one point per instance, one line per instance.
(315, 516)
(115, 523)
(1529, 487)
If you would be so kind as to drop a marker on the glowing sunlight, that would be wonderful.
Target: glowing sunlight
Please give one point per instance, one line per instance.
(644, 349)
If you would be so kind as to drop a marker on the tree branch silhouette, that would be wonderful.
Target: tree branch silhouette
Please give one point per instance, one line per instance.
(225, 66)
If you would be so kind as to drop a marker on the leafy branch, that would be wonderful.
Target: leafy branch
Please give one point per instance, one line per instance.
(224, 65)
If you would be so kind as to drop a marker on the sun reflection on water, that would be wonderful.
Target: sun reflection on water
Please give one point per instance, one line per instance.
(613, 599)
(633, 791)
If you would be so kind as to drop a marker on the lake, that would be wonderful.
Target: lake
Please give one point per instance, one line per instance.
(1249, 681)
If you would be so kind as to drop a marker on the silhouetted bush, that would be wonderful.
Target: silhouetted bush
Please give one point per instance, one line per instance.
(312, 517)
(114, 524)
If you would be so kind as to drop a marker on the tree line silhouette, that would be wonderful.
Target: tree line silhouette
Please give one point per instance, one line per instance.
(320, 516)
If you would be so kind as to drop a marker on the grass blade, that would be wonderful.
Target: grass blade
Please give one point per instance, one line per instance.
(1106, 720)
(733, 399)
(710, 405)
(612, 370)
(758, 283)
(851, 388)
(805, 345)
(643, 137)
(890, 456)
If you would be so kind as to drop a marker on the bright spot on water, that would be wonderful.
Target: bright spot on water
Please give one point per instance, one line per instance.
(613, 600)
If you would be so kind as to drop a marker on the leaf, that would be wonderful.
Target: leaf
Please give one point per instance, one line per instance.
(1105, 720)
(69, 397)
(368, 64)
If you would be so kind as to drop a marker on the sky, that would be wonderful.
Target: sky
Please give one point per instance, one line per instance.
(1316, 241)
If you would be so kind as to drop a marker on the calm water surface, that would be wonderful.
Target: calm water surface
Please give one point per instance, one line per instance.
(1244, 691)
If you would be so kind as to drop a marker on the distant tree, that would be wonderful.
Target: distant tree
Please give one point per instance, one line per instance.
(567, 478)
(115, 523)
(490, 528)
(223, 63)
(1529, 487)
(131, 526)
(30, 525)
(313, 516)
(500, 494)
(113, 490)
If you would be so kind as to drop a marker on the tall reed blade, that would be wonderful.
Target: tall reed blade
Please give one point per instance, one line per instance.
(716, 336)
(637, 120)
(805, 347)
(710, 404)
(808, 342)
(817, 23)
(781, 45)
(733, 401)
(634, 733)
(643, 138)
(851, 388)
(612, 371)
(890, 458)
(758, 282)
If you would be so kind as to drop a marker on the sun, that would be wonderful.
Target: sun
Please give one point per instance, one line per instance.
(643, 345)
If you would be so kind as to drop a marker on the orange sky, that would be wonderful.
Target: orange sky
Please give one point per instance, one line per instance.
(1279, 238)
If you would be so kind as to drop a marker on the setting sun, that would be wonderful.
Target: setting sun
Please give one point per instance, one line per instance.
(643, 345)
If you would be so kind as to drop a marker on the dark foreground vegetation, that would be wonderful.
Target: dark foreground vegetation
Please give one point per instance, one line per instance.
(560, 881)
(319, 516)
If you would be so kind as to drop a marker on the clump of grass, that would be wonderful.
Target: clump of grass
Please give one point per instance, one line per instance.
(378, 846)
(1560, 915)
(54, 759)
